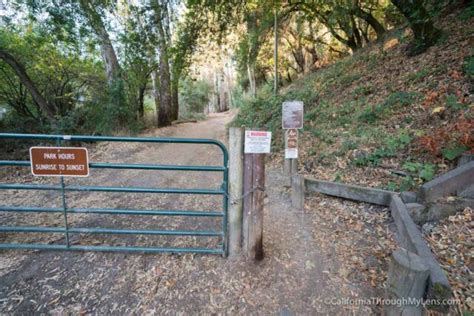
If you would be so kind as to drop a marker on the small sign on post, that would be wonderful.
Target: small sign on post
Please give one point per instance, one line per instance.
(59, 161)
(292, 115)
(291, 148)
(292, 120)
(257, 142)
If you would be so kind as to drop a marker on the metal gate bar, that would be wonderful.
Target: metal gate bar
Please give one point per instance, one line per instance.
(223, 190)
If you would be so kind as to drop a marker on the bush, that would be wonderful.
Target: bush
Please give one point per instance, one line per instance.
(194, 95)
(468, 66)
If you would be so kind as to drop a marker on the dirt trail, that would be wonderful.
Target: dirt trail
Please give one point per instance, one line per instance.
(292, 279)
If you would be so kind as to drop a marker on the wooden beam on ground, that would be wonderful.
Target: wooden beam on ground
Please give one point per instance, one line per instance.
(450, 183)
(351, 192)
(412, 240)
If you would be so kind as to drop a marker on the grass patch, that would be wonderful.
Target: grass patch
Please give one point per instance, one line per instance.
(390, 148)
(468, 66)
(418, 76)
(394, 101)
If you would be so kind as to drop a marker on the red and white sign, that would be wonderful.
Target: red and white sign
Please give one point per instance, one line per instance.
(291, 141)
(257, 142)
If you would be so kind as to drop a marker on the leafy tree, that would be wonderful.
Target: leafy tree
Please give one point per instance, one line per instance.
(424, 31)
(60, 77)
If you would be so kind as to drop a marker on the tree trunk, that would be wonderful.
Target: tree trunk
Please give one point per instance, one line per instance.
(112, 66)
(356, 33)
(165, 111)
(156, 91)
(175, 98)
(20, 71)
(298, 55)
(371, 20)
(252, 80)
(420, 22)
(141, 101)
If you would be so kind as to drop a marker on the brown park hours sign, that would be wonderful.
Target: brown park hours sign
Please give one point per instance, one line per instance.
(59, 161)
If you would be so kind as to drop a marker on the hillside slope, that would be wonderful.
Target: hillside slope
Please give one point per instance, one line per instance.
(380, 118)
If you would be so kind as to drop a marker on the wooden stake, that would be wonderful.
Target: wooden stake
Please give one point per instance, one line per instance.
(287, 167)
(294, 167)
(297, 192)
(407, 280)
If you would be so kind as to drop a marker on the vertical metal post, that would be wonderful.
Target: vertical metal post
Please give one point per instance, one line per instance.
(63, 197)
(275, 52)
(225, 202)
(66, 226)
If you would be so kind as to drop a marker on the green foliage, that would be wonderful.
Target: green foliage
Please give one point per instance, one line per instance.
(391, 147)
(454, 152)
(401, 98)
(349, 79)
(468, 11)
(419, 75)
(468, 66)
(194, 95)
(239, 97)
(363, 91)
(337, 176)
(393, 102)
(392, 186)
(418, 173)
(425, 172)
(369, 115)
(71, 84)
(453, 104)
(192, 116)
(348, 144)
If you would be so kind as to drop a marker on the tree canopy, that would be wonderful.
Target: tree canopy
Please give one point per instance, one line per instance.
(93, 65)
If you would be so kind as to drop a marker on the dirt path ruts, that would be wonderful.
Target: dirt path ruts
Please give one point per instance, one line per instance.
(290, 280)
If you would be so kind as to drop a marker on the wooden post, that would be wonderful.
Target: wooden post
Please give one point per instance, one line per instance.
(294, 166)
(247, 201)
(254, 182)
(287, 167)
(407, 280)
(297, 192)
(236, 145)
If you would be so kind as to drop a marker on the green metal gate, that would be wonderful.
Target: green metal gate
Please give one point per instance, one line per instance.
(62, 188)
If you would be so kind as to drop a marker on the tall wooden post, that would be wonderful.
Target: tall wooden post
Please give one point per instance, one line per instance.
(236, 158)
(254, 183)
